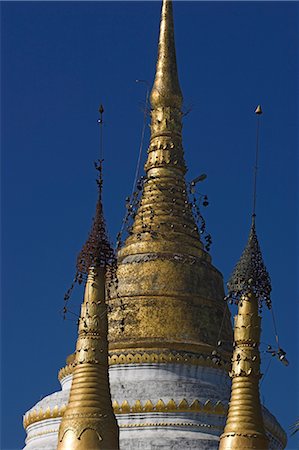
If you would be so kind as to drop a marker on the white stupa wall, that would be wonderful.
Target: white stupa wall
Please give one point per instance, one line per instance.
(155, 430)
(168, 381)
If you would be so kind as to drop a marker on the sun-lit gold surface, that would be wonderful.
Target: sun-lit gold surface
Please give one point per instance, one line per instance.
(65, 371)
(38, 415)
(244, 427)
(201, 357)
(89, 421)
(147, 406)
(210, 407)
(165, 357)
(166, 90)
(170, 424)
(169, 295)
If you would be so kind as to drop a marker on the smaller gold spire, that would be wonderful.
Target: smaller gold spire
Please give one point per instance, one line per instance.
(89, 422)
(244, 427)
(166, 90)
(250, 287)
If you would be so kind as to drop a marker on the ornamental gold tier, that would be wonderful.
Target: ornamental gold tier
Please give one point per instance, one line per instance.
(168, 296)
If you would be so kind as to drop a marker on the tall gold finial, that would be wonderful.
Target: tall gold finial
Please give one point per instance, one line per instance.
(89, 421)
(166, 90)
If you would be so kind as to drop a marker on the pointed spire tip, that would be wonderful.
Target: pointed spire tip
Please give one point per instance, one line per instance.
(258, 110)
(166, 90)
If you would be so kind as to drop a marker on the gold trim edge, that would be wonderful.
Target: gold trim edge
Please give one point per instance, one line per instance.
(170, 424)
(196, 406)
(183, 406)
(151, 358)
(142, 425)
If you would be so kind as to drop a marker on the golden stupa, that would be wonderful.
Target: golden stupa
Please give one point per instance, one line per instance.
(169, 296)
(168, 376)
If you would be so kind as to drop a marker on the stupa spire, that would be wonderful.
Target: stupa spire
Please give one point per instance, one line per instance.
(166, 98)
(164, 209)
(89, 421)
(160, 298)
(166, 89)
(250, 287)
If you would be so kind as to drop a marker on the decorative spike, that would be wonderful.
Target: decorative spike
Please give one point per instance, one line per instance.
(196, 406)
(148, 406)
(166, 90)
(250, 274)
(116, 407)
(125, 407)
(137, 408)
(183, 405)
(258, 110)
(171, 405)
(160, 406)
(219, 408)
(208, 407)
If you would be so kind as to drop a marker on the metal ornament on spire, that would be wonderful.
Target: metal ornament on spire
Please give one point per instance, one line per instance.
(250, 274)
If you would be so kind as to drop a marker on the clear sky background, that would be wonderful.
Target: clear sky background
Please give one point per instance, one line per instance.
(60, 60)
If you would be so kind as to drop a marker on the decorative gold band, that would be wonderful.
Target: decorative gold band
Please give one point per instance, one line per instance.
(152, 358)
(171, 424)
(41, 433)
(65, 371)
(142, 425)
(125, 408)
(34, 415)
(171, 407)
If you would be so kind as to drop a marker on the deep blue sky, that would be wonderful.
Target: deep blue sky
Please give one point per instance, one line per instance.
(59, 61)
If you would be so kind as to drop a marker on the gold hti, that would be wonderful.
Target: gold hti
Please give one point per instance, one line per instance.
(89, 422)
(244, 427)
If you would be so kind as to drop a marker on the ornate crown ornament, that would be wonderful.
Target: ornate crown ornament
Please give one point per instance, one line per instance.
(250, 276)
(96, 251)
